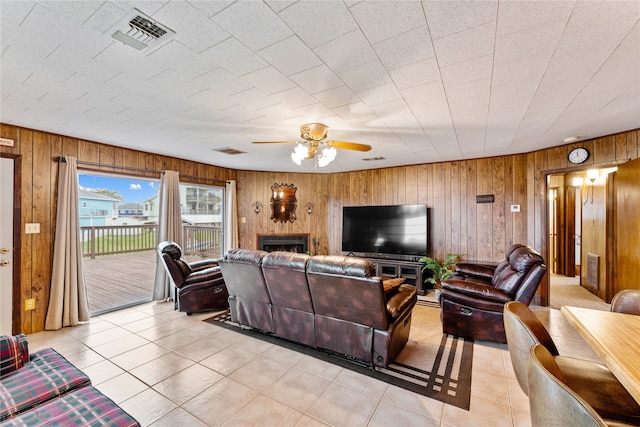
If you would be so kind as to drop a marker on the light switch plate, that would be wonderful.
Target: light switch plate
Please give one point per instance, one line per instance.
(515, 208)
(32, 228)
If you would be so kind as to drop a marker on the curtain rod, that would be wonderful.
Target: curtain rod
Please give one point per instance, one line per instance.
(217, 181)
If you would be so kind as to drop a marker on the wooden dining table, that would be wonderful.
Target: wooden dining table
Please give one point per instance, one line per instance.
(615, 337)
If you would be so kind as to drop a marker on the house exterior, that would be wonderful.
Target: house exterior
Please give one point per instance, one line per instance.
(96, 209)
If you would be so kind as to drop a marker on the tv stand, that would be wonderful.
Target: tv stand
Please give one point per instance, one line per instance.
(408, 270)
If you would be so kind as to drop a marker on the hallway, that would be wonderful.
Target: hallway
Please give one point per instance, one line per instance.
(567, 291)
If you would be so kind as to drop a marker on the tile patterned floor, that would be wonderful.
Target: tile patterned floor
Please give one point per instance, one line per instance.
(169, 369)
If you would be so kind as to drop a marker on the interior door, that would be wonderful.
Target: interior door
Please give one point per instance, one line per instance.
(6, 245)
(627, 225)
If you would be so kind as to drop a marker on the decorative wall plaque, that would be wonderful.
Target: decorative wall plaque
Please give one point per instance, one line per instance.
(283, 202)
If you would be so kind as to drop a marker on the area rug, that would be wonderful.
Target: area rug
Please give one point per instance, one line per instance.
(431, 364)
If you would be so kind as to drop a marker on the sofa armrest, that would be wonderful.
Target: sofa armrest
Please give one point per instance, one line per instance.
(475, 269)
(477, 290)
(401, 301)
(202, 264)
(14, 353)
(391, 286)
(206, 275)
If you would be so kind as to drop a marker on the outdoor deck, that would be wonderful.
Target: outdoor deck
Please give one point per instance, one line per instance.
(120, 280)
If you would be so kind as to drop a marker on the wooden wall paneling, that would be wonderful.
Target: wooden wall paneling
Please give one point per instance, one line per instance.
(484, 222)
(498, 208)
(472, 209)
(401, 185)
(28, 254)
(463, 235)
(520, 223)
(623, 146)
(88, 151)
(106, 156)
(540, 223)
(411, 185)
(557, 157)
(438, 212)
(453, 208)
(611, 245)
(628, 243)
(508, 198)
(604, 150)
(42, 243)
(379, 186)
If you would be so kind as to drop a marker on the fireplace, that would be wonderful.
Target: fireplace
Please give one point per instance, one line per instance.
(284, 242)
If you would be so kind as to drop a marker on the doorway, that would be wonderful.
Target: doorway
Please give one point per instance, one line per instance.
(577, 213)
(6, 245)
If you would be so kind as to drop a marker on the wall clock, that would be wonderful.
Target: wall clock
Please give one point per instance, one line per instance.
(578, 155)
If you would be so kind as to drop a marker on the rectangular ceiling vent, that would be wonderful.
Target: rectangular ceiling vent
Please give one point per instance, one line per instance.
(140, 32)
(229, 150)
(373, 159)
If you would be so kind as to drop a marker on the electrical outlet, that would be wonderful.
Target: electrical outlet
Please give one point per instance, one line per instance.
(32, 228)
(29, 304)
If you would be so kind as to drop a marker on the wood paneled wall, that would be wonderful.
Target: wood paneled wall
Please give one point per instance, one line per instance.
(38, 152)
(457, 223)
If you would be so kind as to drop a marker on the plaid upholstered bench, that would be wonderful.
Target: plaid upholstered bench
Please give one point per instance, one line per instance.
(45, 386)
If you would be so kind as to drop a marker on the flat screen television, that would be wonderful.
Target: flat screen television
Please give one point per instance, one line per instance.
(385, 231)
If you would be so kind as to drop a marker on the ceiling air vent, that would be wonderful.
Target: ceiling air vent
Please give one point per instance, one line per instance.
(140, 32)
(373, 159)
(229, 150)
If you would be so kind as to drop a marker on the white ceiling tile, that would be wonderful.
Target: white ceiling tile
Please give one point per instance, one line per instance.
(269, 80)
(279, 56)
(295, 98)
(385, 19)
(336, 97)
(405, 49)
(415, 74)
(514, 17)
(469, 44)
(253, 23)
(317, 79)
(346, 52)
(365, 76)
(450, 17)
(533, 42)
(210, 8)
(76, 13)
(480, 68)
(86, 41)
(317, 23)
(192, 26)
(380, 95)
(234, 56)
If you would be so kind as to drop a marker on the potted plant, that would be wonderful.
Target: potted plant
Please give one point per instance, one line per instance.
(440, 270)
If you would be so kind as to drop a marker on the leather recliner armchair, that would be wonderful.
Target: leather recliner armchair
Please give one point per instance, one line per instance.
(473, 299)
(199, 285)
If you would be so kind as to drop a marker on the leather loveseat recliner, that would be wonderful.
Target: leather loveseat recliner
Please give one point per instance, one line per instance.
(473, 299)
(334, 303)
(199, 285)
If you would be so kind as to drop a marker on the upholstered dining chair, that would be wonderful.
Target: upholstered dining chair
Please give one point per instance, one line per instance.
(626, 301)
(199, 285)
(551, 402)
(593, 381)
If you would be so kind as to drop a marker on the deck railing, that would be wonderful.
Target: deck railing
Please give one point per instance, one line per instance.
(205, 241)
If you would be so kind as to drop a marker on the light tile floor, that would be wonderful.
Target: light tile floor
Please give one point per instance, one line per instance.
(169, 369)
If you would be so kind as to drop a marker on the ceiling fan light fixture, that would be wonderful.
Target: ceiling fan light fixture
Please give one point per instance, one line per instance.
(327, 156)
(300, 152)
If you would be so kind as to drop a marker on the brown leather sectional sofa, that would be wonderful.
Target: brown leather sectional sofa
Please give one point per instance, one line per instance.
(329, 302)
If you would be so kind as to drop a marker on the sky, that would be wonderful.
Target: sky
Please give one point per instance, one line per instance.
(133, 190)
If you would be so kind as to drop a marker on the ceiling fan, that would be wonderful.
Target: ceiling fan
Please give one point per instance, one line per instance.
(313, 138)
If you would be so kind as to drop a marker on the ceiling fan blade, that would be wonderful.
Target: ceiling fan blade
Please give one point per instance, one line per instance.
(349, 145)
(275, 142)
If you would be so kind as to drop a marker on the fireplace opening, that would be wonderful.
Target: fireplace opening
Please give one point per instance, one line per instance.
(284, 242)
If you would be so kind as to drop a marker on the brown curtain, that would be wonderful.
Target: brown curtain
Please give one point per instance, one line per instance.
(169, 228)
(68, 304)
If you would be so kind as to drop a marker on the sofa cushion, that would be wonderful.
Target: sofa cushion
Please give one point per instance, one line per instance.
(402, 300)
(391, 286)
(83, 407)
(46, 376)
(341, 265)
(14, 353)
